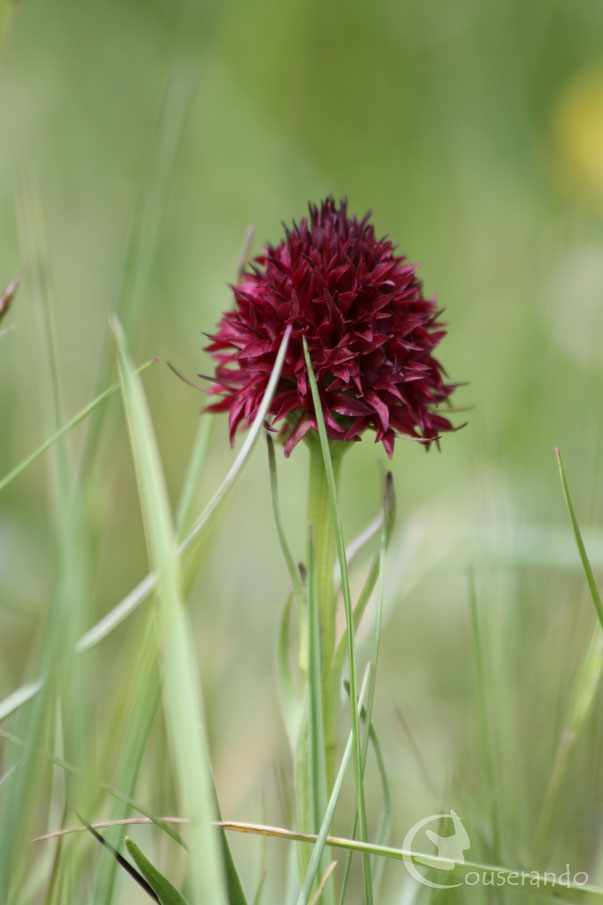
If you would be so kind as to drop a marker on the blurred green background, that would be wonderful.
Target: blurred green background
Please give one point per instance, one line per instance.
(474, 131)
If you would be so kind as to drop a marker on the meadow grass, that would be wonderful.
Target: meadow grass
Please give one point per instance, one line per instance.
(142, 644)
(165, 669)
(162, 705)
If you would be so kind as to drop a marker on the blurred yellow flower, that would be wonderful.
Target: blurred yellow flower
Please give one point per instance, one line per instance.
(578, 128)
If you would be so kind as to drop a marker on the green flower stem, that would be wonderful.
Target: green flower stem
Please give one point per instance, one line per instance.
(349, 616)
(323, 530)
(316, 749)
(320, 516)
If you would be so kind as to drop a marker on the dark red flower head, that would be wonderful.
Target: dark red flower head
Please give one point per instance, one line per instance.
(370, 334)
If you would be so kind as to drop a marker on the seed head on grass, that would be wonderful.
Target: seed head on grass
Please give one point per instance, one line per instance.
(370, 333)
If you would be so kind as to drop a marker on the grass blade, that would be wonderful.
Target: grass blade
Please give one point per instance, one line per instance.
(146, 696)
(139, 878)
(579, 710)
(101, 784)
(542, 884)
(182, 700)
(144, 233)
(389, 509)
(143, 699)
(357, 544)
(106, 824)
(64, 430)
(588, 572)
(323, 882)
(289, 561)
(386, 520)
(291, 705)
(18, 698)
(67, 597)
(165, 893)
(144, 588)
(201, 446)
(322, 838)
(194, 471)
(386, 817)
(313, 755)
(484, 722)
(243, 454)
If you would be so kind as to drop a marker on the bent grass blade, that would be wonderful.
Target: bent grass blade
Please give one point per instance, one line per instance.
(572, 893)
(246, 448)
(144, 588)
(385, 521)
(99, 783)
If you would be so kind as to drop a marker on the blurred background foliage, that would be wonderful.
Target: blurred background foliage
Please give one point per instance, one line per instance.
(474, 131)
